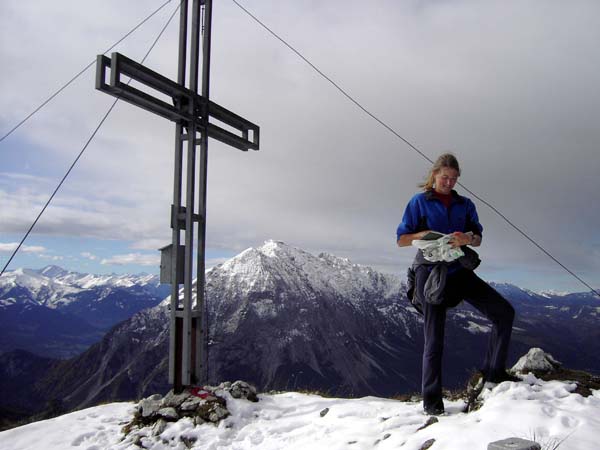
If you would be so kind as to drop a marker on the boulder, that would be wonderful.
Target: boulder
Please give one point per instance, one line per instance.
(536, 361)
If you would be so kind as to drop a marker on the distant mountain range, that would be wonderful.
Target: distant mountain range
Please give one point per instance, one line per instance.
(58, 314)
(282, 318)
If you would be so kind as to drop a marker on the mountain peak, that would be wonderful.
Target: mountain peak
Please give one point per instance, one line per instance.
(53, 271)
(273, 248)
(278, 267)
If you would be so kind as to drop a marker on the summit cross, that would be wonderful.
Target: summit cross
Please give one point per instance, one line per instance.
(191, 112)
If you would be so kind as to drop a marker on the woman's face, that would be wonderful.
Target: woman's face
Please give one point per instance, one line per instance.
(445, 179)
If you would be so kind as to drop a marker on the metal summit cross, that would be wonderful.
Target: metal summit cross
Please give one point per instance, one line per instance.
(188, 350)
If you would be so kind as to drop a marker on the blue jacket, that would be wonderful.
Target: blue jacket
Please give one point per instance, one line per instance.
(426, 212)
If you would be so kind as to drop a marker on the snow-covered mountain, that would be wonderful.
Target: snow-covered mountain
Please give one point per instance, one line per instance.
(289, 319)
(55, 287)
(282, 318)
(57, 313)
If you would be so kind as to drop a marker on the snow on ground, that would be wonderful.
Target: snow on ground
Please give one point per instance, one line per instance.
(548, 411)
(96, 428)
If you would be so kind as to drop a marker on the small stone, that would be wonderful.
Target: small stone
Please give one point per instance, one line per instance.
(188, 441)
(429, 422)
(386, 435)
(427, 444)
(159, 427)
(148, 407)
(192, 403)
(217, 413)
(174, 400)
(198, 420)
(514, 444)
(168, 413)
(241, 389)
(324, 412)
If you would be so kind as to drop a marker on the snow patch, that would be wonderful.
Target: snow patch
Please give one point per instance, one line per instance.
(547, 410)
(477, 328)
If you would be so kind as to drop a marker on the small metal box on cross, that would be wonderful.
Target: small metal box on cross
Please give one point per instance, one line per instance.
(192, 113)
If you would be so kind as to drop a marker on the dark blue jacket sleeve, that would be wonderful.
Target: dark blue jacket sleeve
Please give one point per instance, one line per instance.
(410, 220)
(473, 219)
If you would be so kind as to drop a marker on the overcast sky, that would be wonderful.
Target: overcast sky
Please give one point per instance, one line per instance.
(511, 87)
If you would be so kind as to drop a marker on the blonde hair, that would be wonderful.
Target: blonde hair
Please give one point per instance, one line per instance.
(445, 160)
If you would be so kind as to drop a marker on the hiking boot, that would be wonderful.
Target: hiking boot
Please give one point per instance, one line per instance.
(474, 387)
(434, 410)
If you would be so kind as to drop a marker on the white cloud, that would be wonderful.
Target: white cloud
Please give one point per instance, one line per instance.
(51, 257)
(89, 256)
(33, 248)
(6, 247)
(133, 258)
(150, 244)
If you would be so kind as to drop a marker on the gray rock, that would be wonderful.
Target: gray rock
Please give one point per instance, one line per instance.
(324, 412)
(241, 389)
(429, 422)
(192, 403)
(536, 360)
(199, 420)
(168, 413)
(159, 427)
(514, 444)
(217, 413)
(148, 407)
(174, 400)
(188, 441)
(427, 444)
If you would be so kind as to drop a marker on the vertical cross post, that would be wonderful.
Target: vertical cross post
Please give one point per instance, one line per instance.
(189, 357)
(202, 335)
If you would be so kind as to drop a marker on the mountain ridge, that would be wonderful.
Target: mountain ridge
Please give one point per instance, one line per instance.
(59, 313)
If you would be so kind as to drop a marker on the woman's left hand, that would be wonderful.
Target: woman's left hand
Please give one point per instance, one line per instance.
(459, 239)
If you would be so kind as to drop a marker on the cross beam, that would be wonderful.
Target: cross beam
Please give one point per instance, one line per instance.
(192, 113)
(182, 97)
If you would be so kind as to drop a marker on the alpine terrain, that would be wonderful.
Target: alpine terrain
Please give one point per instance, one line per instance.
(58, 314)
(283, 319)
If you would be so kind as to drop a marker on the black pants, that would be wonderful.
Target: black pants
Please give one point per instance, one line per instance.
(464, 285)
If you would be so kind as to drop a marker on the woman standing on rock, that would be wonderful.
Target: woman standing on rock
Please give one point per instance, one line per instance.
(435, 285)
